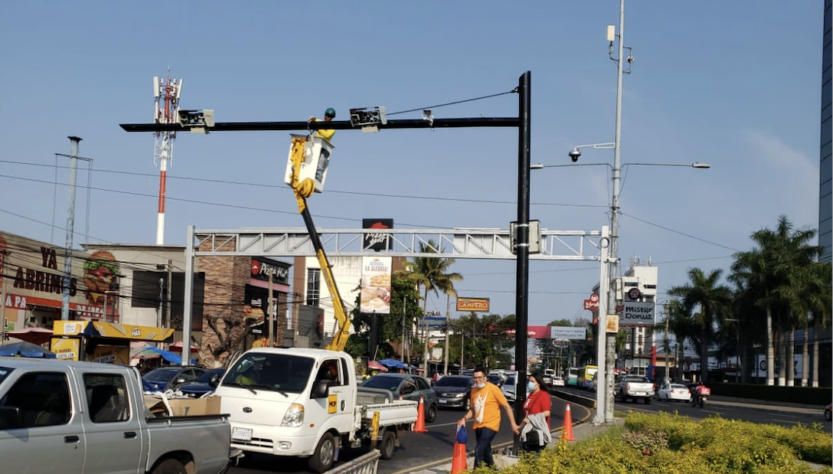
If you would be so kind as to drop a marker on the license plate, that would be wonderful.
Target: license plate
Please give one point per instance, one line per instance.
(443, 402)
(243, 434)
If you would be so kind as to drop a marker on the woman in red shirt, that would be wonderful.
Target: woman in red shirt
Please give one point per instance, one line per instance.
(537, 402)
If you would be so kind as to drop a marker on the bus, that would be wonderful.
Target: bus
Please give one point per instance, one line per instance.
(571, 376)
(585, 376)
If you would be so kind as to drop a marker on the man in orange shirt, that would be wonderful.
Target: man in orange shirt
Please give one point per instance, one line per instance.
(486, 400)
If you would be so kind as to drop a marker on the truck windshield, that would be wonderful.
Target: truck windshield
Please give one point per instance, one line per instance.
(4, 372)
(278, 372)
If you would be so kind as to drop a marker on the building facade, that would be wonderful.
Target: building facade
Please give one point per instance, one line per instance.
(825, 196)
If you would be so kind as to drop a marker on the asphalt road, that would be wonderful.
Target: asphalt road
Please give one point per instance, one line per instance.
(416, 449)
(731, 411)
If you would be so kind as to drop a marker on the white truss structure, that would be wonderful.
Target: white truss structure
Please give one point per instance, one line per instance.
(565, 245)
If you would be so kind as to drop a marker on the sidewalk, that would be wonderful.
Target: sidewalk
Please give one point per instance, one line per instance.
(815, 411)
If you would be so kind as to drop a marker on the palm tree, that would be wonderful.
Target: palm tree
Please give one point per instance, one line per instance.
(772, 270)
(431, 274)
(713, 300)
(680, 324)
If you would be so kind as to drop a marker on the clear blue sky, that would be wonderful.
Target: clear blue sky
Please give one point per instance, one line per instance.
(734, 84)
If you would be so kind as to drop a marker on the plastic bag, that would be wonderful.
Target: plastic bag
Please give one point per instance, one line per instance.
(462, 435)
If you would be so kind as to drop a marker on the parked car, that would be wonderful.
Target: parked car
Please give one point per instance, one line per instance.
(202, 385)
(827, 411)
(673, 391)
(635, 387)
(557, 381)
(87, 417)
(170, 378)
(548, 375)
(495, 379)
(454, 391)
(410, 387)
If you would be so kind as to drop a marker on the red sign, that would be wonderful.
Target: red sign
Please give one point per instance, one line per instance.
(534, 332)
(473, 304)
(592, 303)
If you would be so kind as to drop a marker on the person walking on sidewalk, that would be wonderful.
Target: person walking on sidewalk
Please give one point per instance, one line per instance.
(486, 401)
(535, 427)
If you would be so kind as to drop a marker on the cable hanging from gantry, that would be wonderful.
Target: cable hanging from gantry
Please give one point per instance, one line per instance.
(513, 91)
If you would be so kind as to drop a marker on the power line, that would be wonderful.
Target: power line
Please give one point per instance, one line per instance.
(513, 91)
(681, 233)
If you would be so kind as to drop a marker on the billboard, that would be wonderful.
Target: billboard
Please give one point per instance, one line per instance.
(473, 304)
(376, 286)
(637, 313)
(566, 332)
(377, 241)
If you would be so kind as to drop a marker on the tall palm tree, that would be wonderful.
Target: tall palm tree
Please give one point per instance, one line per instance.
(680, 324)
(772, 270)
(431, 274)
(713, 299)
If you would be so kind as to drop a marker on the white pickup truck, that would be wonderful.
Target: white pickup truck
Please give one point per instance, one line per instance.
(306, 403)
(90, 418)
(635, 387)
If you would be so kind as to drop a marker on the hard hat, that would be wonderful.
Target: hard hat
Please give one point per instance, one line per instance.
(331, 112)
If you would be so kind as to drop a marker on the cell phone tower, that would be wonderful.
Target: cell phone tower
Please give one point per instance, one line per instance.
(166, 94)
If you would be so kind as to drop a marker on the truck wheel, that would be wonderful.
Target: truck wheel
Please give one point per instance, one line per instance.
(647, 401)
(388, 444)
(169, 466)
(431, 415)
(322, 459)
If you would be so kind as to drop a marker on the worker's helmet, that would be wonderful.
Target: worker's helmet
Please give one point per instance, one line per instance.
(331, 112)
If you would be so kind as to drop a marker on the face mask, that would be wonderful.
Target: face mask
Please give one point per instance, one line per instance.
(530, 386)
(480, 385)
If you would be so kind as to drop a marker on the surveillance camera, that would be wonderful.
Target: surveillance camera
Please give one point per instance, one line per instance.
(575, 154)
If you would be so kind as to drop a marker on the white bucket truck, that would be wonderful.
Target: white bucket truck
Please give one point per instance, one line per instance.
(306, 403)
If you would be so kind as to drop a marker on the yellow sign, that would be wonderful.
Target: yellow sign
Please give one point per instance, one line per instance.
(114, 330)
(612, 323)
(111, 355)
(332, 403)
(66, 348)
(473, 304)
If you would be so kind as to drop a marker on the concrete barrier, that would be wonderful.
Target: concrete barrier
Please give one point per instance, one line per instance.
(573, 398)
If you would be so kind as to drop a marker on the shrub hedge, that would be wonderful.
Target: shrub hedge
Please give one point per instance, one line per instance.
(672, 444)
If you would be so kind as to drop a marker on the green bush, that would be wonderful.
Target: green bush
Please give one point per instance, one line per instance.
(673, 444)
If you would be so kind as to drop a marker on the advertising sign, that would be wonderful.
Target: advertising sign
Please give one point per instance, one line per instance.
(565, 332)
(637, 313)
(376, 241)
(612, 323)
(473, 304)
(376, 286)
(592, 303)
(65, 348)
(113, 330)
(263, 267)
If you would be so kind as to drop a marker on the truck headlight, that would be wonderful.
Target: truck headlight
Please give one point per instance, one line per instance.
(294, 416)
(459, 395)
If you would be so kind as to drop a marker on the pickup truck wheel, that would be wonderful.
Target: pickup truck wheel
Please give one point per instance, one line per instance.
(431, 415)
(647, 401)
(322, 459)
(388, 444)
(169, 466)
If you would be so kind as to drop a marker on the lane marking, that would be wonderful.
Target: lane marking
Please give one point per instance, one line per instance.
(784, 421)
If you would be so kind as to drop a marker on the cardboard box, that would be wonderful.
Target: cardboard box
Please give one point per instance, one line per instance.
(195, 406)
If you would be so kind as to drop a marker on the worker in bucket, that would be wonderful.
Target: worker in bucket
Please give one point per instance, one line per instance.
(329, 115)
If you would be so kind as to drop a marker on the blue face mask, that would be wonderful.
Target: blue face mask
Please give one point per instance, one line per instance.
(530, 386)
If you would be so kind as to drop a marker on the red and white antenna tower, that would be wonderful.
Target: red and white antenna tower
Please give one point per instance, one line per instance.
(166, 93)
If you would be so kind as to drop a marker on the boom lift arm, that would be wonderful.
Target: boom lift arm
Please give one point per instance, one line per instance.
(304, 189)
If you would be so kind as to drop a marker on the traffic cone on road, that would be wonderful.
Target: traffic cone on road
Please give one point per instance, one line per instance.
(420, 423)
(459, 462)
(567, 431)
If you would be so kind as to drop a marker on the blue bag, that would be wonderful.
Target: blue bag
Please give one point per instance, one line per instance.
(462, 435)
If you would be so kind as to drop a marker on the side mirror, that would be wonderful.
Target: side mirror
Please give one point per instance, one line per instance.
(179, 380)
(322, 390)
(214, 381)
(10, 418)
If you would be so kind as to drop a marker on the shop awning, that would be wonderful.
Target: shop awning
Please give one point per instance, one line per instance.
(38, 336)
(112, 330)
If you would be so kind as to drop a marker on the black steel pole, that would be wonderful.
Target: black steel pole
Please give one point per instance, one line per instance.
(522, 248)
(333, 125)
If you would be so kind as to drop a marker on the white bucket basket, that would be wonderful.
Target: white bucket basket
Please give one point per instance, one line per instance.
(317, 156)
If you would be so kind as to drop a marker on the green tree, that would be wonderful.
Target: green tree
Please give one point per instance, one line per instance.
(772, 272)
(703, 291)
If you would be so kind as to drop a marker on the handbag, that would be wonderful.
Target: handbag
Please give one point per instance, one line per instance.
(462, 435)
(533, 438)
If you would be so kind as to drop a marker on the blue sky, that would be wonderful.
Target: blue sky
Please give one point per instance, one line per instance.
(734, 84)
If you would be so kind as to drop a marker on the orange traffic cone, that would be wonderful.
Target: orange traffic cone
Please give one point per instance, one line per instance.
(420, 423)
(567, 432)
(459, 462)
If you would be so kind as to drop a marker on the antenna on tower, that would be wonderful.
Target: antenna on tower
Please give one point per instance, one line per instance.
(166, 94)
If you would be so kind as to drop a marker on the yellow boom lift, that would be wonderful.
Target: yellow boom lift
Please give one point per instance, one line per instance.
(306, 171)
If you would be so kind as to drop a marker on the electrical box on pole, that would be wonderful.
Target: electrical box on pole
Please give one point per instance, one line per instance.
(534, 237)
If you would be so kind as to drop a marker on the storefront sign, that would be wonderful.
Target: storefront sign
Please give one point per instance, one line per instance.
(113, 330)
(473, 304)
(592, 303)
(263, 267)
(66, 348)
(637, 313)
(376, 241)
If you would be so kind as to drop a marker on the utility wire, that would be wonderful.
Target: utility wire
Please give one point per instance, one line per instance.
(329, 191)
(681, 233)
(513, 91)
